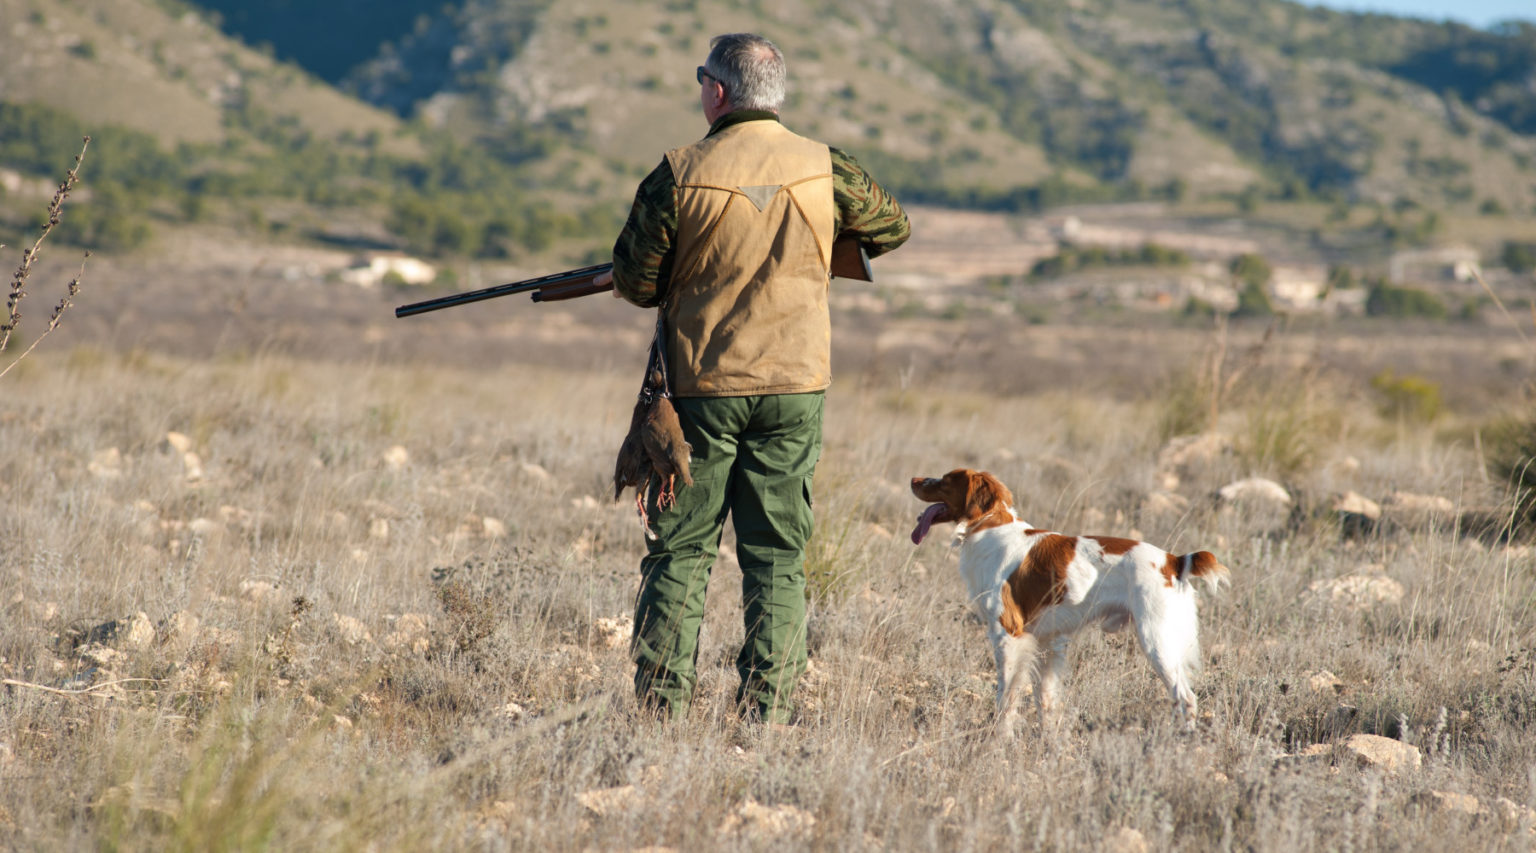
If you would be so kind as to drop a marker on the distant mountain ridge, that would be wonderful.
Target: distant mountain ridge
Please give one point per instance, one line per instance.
(1126, 96)
(492, 126)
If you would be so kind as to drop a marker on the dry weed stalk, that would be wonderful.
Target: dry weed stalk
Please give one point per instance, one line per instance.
(29, 256)
(1220, 388)
(1502, 310)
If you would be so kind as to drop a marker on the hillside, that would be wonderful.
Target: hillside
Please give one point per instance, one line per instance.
(142, 65)
(515, 129)
(190, 126)
(1018, 102)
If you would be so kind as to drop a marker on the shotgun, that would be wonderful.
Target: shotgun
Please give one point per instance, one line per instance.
(849, 260)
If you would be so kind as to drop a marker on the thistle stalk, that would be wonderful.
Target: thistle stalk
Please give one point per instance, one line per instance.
(18, 290)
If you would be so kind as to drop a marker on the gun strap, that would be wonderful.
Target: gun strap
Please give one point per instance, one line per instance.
(657, 362)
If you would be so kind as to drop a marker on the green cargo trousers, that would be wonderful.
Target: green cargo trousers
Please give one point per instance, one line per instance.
(753, 459)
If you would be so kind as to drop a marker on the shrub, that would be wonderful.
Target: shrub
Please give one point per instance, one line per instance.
(1253, 301)
(1386, 300)
(1251, 269)
(1511, 450)
(1410, 397)
(1519, 257)
(1072, 258)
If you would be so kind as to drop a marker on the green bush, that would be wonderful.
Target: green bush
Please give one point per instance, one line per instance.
(1385, 300)
(1412, 398)
(1519, 257)
(1251, 269)
(1253, 301)
(1510, 444)
(1073, 258)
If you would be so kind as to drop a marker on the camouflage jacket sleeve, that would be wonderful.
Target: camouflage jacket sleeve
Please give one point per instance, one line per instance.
(642, 256)
(865, 209)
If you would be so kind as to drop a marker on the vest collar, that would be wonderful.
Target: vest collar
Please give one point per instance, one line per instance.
(740, 116)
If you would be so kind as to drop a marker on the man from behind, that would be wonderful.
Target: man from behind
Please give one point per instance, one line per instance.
(730, 238)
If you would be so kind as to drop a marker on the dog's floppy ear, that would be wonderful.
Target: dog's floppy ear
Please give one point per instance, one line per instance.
(985, 494)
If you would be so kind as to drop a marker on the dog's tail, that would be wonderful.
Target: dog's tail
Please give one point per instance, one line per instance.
(1199, 567)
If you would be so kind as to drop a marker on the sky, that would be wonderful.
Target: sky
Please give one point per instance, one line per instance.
(1477, 13)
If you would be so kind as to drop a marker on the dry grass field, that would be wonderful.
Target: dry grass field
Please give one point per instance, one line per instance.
(277, 571)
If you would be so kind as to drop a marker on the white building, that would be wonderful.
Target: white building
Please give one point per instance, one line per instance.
(1450, 263)
(372, 270)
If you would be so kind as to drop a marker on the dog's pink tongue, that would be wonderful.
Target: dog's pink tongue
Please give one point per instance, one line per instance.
(925, 521)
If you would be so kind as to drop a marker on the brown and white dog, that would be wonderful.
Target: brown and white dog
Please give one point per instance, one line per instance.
(1034, 589)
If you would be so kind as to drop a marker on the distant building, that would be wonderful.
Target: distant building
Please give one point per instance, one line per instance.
(1450, 263)
(373, 270)
(1298, 288)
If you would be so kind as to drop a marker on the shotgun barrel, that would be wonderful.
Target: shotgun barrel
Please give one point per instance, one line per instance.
(568, 279)
(849, 260)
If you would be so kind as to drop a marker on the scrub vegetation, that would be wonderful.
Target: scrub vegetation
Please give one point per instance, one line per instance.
(262, 599)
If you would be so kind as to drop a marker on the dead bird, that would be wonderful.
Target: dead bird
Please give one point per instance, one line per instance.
(666, 448)
(653, 446)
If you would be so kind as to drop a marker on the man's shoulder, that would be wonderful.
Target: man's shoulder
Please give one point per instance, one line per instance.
(732, 140)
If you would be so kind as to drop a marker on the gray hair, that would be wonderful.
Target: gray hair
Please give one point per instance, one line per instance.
(751, 69)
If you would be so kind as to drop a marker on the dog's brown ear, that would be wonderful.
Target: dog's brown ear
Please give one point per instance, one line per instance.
(985, 494)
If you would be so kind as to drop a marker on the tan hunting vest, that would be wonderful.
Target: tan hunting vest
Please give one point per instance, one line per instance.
(747, 303)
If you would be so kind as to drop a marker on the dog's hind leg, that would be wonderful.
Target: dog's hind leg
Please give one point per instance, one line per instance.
(1173, 648)
(1052, 672)
(1015, 659)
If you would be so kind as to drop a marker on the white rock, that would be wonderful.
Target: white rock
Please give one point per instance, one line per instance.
(1325, 682)
(1355, 503)
(139, 632)
(397, 457)
(1188, 451)
(493, 528)
(1452, 802)
(204, 527)
(1382, 753)
(1125, 840)
(107, 464)
(537, 473)
(379, 528)
(182, 626)
(1164, 504)
(191, 466)
(607, 801)
(614, 632)
(1514, 816)
(1416, 510)
(261, 592)
(410, 634)
(179, 442)
(1358, 592)
(765, 823)
(585, 502)
(1254, 490)
(352, 630)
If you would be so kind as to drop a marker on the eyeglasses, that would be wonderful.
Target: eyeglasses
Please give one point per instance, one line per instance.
(700, 74)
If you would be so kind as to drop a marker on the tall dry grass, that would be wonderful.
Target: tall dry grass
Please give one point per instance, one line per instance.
(387, 608)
